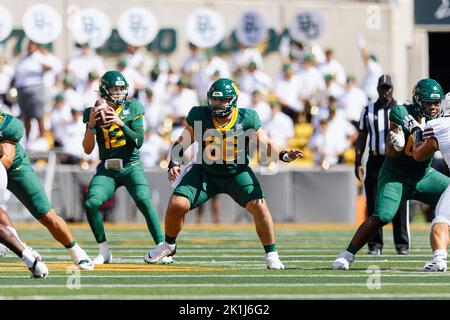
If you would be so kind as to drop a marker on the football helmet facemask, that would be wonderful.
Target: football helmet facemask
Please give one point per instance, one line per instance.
(113, 87)
(427, 98)
(222, 97)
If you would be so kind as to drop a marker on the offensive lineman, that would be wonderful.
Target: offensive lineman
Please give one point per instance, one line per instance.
(217, 170)
(402, 178)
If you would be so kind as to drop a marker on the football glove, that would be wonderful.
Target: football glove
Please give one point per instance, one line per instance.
(398, 139)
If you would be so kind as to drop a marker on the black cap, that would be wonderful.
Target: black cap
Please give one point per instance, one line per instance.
(385, 80)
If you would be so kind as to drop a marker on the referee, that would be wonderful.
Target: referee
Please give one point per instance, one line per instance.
(374, 123)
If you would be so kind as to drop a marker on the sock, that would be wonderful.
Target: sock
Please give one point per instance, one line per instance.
(440, 254)
(76, 253)
(28, 258)
(151, 218)
(270, 248)
(104, 249)
(70, 245)
(170, 240)
(352, 249)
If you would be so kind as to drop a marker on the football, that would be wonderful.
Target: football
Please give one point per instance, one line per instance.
(102, 106)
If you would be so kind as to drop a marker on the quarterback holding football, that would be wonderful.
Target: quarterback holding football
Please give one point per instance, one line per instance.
(117, 126)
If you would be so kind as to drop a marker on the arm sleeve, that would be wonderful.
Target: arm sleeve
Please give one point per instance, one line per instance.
(135, 131)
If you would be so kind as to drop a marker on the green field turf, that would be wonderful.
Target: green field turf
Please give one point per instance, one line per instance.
(225, 263)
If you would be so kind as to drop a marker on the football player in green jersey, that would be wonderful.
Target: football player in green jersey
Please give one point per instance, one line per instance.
(402, 178)
(26, 186)
(119, 136)
(10, 241)
(222, 131)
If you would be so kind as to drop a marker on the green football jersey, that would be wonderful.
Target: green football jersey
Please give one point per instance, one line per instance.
(11, 129)
(401, 115)
(112, 142)
(224, 149)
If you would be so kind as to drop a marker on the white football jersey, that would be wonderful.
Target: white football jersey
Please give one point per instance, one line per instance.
(440, 129)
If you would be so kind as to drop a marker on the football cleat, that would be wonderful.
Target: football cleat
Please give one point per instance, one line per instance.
(3, 250)
(162, 250)
(39, 269)
(165, 260)
(85, 264)
(374, 252)
(101, 259)
(343, 261)
(435, 266)
(273, 261)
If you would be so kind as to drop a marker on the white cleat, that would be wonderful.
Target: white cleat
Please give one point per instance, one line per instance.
(101, 259)
(165, 260)
(39, 269)
(3, 250)
(435, 266)
(85, 264)
(161, 251)
(343, 261)
(273, 261)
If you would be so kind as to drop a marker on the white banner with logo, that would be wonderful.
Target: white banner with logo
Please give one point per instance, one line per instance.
(6, 24)
(307, 25)
(137, 26)
(205, 28)
(91, 26)
(42, 23)
(251, 29)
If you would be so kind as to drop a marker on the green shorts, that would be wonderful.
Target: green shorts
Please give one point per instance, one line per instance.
(198, 187)
(26, 186)
(395, 188)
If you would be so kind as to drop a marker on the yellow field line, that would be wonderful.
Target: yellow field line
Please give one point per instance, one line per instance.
(56, 266)
(222, 227)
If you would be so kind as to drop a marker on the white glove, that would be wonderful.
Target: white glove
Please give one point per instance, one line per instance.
(398, 139)
(410, 123)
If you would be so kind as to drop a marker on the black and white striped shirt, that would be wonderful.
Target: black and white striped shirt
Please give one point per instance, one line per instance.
(374, 121)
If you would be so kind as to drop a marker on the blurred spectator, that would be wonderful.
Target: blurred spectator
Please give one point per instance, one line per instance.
(332, 67)
(154, 150)
(242, 57)
(280, 127)
(135, 80)
(332, 88)
(331, 139)
(181, 101)
(159, 84)
(72, 139)
(312, 82)
(261, 107)
(138, 59)
(352, 101)
(253, 79)
(90, 95)
(373, 72)
(287, 92)
(31, 91)
(85, 61)
(154, 113)
(59, 118)
(51, 76)
(71, 97)
(6, 76)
